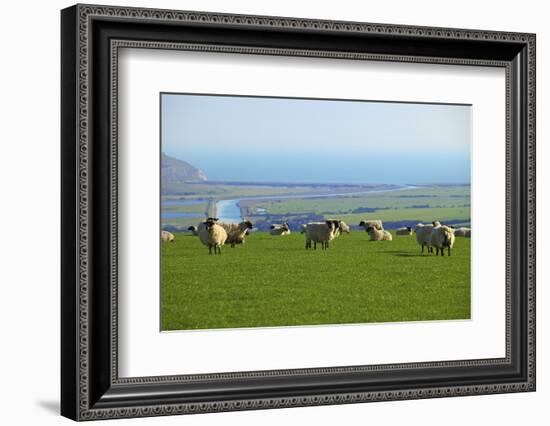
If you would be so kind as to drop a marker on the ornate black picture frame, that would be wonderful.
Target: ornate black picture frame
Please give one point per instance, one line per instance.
(91, 37)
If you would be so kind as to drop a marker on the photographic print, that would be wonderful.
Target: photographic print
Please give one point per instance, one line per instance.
(300, 212)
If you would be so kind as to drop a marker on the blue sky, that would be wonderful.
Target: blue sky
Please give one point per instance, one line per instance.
(304, 140)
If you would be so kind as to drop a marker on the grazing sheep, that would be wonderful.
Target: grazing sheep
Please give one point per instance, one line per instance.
(404, 231)
(461, 232)
(372, 223)
(166, 236)
(194, 230)
(277, 229)
(378, 234)
(441, 237)
(423, 233)
(321, 232)
(212, 235)
(236, 232)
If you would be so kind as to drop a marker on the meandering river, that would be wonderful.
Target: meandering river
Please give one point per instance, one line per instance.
(229, 210)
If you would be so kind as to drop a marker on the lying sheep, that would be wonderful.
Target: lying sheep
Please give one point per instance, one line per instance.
(404, 231)
(321, 232)
(461, 232)
(277, 229)
(372, 223)
(166, 236)
(441, 237)
(378, 234)
(212, 235)
(194, 230)
(236, 232)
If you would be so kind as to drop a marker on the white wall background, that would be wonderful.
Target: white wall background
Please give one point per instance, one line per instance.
(29, 182)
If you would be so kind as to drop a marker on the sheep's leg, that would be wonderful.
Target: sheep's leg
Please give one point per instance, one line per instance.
(422, 247)
(449, 250)
(314, 245)
(442, 251)
(209, 248)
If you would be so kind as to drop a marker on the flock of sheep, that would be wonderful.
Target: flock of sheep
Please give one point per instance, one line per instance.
(215, 234)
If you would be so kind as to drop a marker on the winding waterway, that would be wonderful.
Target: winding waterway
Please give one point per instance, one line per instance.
(229, 210)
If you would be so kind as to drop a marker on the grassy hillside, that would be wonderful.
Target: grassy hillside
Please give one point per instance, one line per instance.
(274, 281)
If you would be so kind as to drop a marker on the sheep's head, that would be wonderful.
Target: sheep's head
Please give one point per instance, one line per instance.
(191, 228)
(286, 227)
(436, 223)
(409, 228)
(344, 227)
(370, 228)
(272, 227)
(210, 222)
(248, 224)
(362, 223)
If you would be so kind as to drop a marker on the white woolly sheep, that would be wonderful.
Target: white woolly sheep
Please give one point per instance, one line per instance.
(441, 237)
(321, 232)
(423, 233)
(342, 228)
(378, 234)
(236, 231)
(212, 235)
(372, 223)
(166, 236)
(461, 232)
(277, 229)
(407, 230)
(194, 230)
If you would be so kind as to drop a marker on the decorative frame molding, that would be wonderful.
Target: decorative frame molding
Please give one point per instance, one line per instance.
(91, 388)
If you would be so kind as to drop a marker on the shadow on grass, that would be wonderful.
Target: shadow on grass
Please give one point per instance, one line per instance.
(405, 254)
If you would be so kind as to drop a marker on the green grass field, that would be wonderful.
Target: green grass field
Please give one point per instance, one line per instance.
(274, 281)
(444, 203)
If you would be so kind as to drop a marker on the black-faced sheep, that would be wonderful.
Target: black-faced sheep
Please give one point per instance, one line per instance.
(372, 223)
(236, 231)
(194, 230)
(321, 232)
(441, 237)
(212, 235)
(277, 229)
(404, 231)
